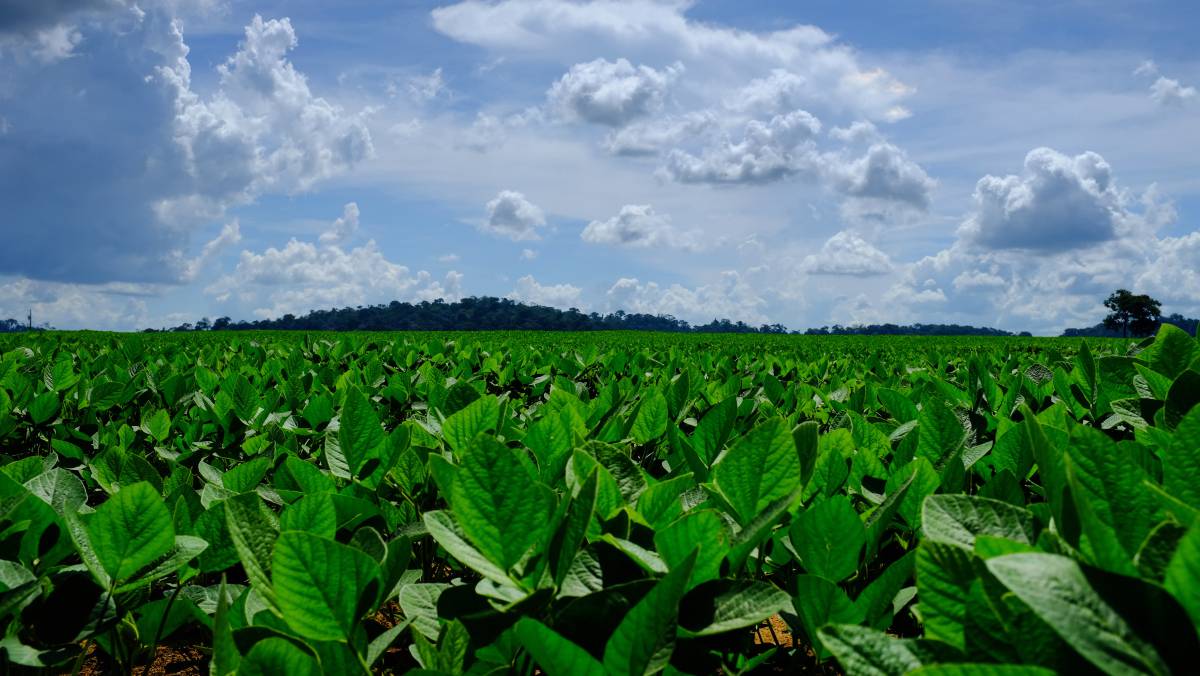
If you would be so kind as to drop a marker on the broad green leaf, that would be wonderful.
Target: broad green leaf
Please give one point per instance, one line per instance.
(322, 587)
(360, 436)
(60, 489)
(554, 654)
(463, 426)
(130, 531)
(1181, 462)
(819, 602)
(958, 519)
(1172, 352)
(944, 576)
(502, 508)
(274, 656)
(645, 638)
(1116, 513)
(868, 652)
(714, 429)
(448, 533)
(651, 420)
(941, 434)
(720, 606)
(701, 529)
(1183, 573)
(1055, 588)
(829, 536)
(314, 513)
(760, 468)
(253, 529)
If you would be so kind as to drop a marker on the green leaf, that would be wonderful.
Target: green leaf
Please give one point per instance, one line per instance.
(941, 434)
(868, 652)
(130, 531)
(819, 602)
(958, 519)
(253, 529)
(1183, 396)
(274, 656)
(719, 606)
(944, 576)
(43, 408)
(322, 587)
(1181, 462)
(1055, 588)
(225, 655)
(360, 435)
(1172, 351)
(829, 536)
(700, 529)
(982, 669)
(714, 429)
(1183, 573)
(185, 549)
(651, 420)
(556, 655)
(479, 416)
(645, 638)
(760, 468)
(449, 534)
(60, 489)
(314, 513)
(502, 508)
(1116, 513)
(157, 425)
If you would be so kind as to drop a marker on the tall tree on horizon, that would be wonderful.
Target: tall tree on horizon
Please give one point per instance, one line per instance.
(1137, 312)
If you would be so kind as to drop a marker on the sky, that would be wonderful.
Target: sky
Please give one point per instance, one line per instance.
(988, 162)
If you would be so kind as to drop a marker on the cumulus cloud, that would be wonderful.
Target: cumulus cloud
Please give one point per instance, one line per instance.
(829, 72)
(1165, 91)
(650, 137)
(610, 93)
(767, 152)
(563, 296)
(639, 226)
(730, 297)
(847, 253)
(884, 174)
(1058, 203)
(989, 277)
(528, 254)
(510, 215)
(156, 159)
(302, 276)
(859, 131)
(343, 228)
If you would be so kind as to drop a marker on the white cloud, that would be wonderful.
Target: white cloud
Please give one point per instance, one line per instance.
(847, 253)
(992, 279)
(638, 226)
(730, 297)
(303, 276)
(830, 72)
(767, 152)
(610, 93)
(1169, 92)
(425, 88)
(1059, 203)
(264, 129)
(649, 137)
(56, 43)
(448, 258)
(884, 174)
(563, 296)
(528, 254)
(510, 215)
(230, 234)
(859, 131)
(1165, 91)
(112, 306)
(343, 228)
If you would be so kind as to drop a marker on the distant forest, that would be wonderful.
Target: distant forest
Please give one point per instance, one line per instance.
(490, 313)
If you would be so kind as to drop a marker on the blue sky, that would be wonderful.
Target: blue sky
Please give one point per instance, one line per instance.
(984, 162)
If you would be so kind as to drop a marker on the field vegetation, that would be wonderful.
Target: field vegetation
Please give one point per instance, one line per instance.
(599, 503)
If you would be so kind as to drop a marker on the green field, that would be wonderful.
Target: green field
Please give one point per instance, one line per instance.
(599, 503)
